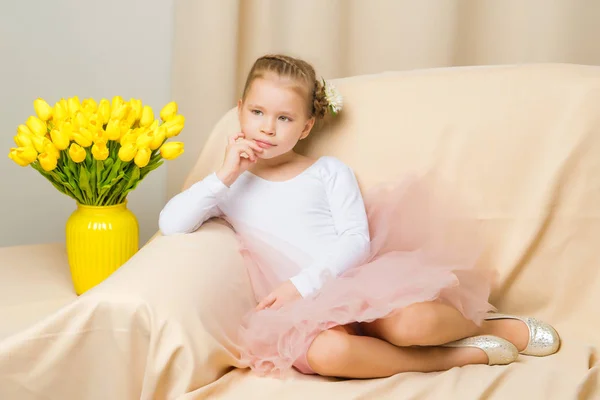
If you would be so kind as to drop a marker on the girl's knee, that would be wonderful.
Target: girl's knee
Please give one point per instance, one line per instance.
(414, 325)
(328, 353)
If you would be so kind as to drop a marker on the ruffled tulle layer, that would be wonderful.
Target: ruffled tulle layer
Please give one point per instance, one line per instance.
(423, 248)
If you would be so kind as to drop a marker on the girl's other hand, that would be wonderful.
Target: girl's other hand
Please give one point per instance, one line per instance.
(282, 295)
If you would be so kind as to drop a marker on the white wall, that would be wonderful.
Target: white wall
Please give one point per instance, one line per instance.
(62, 48)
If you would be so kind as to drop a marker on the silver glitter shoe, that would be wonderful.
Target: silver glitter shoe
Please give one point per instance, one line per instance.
(543, 338)
(498, 350)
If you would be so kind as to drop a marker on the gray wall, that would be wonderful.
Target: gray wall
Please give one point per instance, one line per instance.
(62, 48)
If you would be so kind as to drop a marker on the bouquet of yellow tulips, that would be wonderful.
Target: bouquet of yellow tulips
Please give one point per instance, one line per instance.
(97, 153)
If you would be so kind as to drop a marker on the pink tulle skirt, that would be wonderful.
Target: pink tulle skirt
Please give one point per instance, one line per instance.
(422, 249)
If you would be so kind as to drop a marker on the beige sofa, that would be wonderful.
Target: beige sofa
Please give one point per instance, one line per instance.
(522, 143)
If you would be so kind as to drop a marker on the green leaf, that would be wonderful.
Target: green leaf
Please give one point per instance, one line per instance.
(84, 182)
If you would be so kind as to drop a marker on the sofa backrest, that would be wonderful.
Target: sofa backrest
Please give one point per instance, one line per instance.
(522, 142)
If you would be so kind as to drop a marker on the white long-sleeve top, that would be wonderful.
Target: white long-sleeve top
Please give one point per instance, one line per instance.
(320, 211)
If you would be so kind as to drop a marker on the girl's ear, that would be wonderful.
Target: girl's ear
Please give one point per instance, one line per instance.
(307, 128)
(239, 106)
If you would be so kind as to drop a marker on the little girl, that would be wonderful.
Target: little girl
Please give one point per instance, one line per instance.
(345, 287)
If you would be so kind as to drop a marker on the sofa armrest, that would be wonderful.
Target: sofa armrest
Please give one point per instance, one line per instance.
(160, 326)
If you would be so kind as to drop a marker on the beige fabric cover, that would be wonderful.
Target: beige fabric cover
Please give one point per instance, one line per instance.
(522, 143)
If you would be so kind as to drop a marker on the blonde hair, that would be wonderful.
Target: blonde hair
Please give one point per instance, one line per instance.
(295, 69)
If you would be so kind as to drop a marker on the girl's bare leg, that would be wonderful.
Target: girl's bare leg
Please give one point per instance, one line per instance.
(338, 353)
(434, 323)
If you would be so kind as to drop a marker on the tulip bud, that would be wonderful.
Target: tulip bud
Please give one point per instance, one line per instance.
(81, 120)
(104, 111)
(67, 130)
(37, 126)
(13, 155)
(144, 139)
(42, 109)
(95, 120)
(122, 112)
(142, 157)
(83, 139)
(74, 105)
(172, 150)
(136, 108)
(124, 127)
(24, 129)
(77, 153)
(60, 139)
(59, 112)
(39, 143)
(51, 149)
(99, 136)
(100, 151)
(89, 104)
(158, 137)
(23, 155)
(48, 161)
(113, 132)
(169, 111)
(127, 152)
(174, 126)
(23, 140)
(117, 102)
(147, 116)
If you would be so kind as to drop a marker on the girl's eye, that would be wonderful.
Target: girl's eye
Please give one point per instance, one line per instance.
(256, 112)
(286, 119)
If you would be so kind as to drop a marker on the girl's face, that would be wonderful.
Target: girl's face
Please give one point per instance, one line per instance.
(274, 114)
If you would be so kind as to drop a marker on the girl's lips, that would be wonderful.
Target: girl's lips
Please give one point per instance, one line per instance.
(263, 145)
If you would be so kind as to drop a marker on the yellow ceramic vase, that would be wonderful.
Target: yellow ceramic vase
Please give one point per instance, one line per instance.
(99, 240)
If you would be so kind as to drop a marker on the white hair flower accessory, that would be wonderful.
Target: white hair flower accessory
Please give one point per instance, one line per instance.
(333, 97)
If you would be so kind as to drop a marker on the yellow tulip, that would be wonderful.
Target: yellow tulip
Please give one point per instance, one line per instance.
(64, 105)
(130, 137)
(122, 112)
(169, 111)
(142, 157)
(60, 139)
(99, 136)
(84, 140)
(23, 140)
(124, 127)
(136, 108)
(100, 151)
(104, 111)
(81, 120)
(67, 130)
(174, 126)
(24, 129)
(89, 104)
(127, 152)
(59, 112)
(116, 103)
(15, 157)
(95, 120)
(144, 140)
(51, 149)
(113, 132)
(74, 105)
(48, 161)
(158, 137)
(147, 116)
(130, 119)
(42, 109)
(26, 155)
(37, 126)
(172, 150)
(77, 153)
(39, 143)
